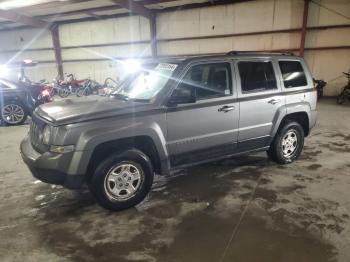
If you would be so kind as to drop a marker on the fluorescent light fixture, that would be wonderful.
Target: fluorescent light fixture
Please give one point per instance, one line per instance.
(10, 4)
(27, 61)
(4, 70)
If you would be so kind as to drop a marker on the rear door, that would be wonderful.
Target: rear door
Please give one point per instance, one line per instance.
(208, 128)
(260, 97)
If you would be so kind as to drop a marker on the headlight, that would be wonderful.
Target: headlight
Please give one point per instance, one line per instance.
(46, 135)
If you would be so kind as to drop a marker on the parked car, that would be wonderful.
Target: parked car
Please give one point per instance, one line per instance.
(182, 113)
(19, 99)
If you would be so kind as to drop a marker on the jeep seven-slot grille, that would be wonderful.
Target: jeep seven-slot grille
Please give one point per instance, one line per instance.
(34, 134)
(35, 131)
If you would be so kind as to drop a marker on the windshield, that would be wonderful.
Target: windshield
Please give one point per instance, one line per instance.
(145, 84)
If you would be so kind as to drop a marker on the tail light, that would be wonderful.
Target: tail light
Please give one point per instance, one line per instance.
(45, 93)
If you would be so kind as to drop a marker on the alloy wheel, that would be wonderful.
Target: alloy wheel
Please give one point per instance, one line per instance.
(289, 143)
(122, 181)
(12, 114)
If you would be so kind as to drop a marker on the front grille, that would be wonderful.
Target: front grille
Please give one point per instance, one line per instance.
(35, 131)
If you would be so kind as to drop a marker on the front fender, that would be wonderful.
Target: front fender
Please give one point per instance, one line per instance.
(123, 129)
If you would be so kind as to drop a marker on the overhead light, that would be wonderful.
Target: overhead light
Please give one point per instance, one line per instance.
(27, 61)
(10, 4)
(131, 66)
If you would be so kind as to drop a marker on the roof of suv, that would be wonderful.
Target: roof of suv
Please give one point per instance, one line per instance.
(233, 54)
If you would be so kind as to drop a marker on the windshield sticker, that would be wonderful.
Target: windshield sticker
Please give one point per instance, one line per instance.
(164, 66)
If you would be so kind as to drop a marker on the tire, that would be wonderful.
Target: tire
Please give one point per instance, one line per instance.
(81, 92)
(112, 175)
(13, 113)
(341, 98)
(63, 92)
(285, 154)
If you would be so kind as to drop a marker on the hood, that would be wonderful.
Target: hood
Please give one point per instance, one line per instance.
(70, 111)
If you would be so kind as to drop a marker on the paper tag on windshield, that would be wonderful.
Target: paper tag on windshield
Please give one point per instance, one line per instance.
(164, 66)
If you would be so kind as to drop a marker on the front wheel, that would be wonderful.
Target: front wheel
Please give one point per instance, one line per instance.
(287, 144)
(122, 180)
(63, 92)
(81, 92)
(13, 113)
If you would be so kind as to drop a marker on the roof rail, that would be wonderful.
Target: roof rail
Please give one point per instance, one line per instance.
(258, 52)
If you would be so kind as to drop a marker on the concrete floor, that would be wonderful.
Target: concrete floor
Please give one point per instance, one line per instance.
(243, 209)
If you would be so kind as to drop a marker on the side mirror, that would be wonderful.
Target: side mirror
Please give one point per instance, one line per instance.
(184, 94)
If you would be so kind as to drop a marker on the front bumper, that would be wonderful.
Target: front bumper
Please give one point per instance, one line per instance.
(50, 168)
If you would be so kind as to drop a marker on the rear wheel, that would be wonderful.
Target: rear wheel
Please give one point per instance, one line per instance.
(81, 92)
(122, 180)
(287, 144)
(341, 98)
(13, 113)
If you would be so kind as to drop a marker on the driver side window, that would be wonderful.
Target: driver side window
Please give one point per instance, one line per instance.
(209, 80)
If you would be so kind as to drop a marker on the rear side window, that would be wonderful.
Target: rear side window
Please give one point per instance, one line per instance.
(293, 74)
(210, 80)
(256, 76)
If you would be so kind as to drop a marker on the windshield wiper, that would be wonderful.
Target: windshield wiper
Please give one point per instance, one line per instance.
(120, 96)
(127, 98)
(142, 100)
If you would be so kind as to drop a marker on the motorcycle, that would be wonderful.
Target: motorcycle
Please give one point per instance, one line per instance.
(345, 93)
(90, 87)
(70, 86)
(109, 85)
(45, 94)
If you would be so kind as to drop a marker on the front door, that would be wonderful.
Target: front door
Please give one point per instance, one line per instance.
(206, 129)
(260, 99)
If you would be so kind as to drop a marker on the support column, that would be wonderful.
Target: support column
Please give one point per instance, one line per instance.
(57, 49)
(303, 28)
(153, 28)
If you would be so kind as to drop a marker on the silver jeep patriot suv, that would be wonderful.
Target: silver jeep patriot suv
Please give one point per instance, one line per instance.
(170, 114)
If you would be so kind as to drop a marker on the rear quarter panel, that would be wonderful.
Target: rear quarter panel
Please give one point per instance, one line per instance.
(303, 98)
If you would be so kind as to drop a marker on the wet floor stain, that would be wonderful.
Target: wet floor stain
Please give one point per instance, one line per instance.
(314, 166)
(335, 147)
(190, 219)
(341, 135)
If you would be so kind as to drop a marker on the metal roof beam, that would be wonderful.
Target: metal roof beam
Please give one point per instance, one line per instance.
(22, 19)
(134, 7)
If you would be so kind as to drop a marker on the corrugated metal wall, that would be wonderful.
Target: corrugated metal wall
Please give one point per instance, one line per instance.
(97, 41)
(231, 19)
(110, 37)
(16, 45)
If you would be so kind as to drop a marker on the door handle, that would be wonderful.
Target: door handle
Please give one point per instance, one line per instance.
(274, 101)
(226, 109)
